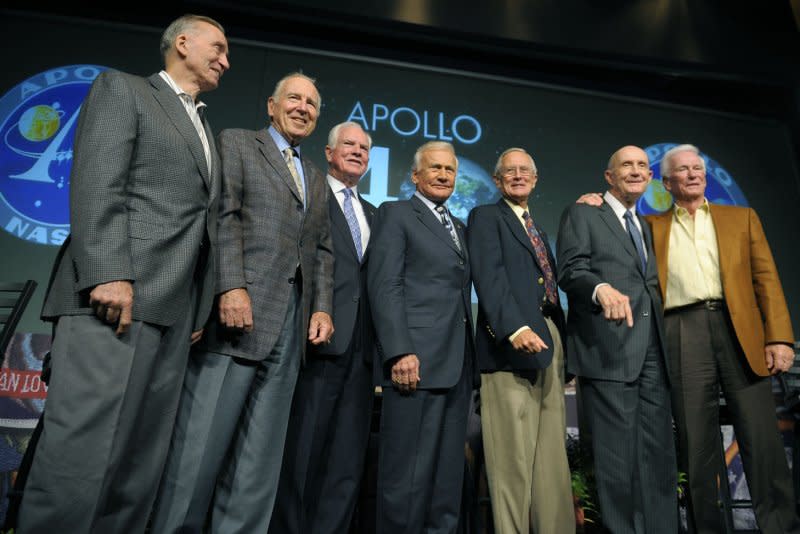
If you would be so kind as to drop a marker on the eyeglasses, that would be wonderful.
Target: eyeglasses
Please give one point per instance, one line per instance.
(509, 172)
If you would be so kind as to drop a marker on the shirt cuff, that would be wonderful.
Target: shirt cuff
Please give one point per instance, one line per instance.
(594, 293)
(513, 336)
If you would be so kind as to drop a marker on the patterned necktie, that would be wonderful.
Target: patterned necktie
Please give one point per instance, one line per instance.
(288, 155)
(442, 211)
(550, 289)
(636, 237)
(352, 221)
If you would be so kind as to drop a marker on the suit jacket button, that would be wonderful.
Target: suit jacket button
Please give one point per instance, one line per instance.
(540, 280)
(464, 319)
(355, 299)
(291, 280)
(645, 314)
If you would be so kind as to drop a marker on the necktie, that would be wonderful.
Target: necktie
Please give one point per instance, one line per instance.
(442, 211)
(636, 237)
(352, 222)
(550, 290)
(288, 154)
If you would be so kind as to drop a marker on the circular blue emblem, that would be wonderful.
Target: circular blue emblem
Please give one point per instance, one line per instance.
(720, 186)
(37, 129)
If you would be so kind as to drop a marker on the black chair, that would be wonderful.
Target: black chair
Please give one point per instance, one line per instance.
(14, 298)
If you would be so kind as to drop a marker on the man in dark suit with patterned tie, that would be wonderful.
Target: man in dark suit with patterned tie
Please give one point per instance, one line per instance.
(132, 284)
(419, 290)
(332, 406)
(615, 342)
(521, 358)
(275, 284)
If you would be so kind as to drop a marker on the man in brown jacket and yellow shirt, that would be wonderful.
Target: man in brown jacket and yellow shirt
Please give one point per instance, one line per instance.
(727, 325)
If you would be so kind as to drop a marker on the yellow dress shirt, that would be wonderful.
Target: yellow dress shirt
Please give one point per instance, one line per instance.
(693, 260)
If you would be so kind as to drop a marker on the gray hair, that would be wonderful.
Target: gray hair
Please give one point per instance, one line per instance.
(333, 136)
(666, 161)
(498, 166)
(279, 87)
(183, 24)
(432, 145)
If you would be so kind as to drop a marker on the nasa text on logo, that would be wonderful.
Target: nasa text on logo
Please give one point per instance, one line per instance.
(37, 129)
(720, 185)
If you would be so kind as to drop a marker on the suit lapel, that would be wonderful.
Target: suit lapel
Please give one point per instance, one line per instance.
(275, 160)
(369, 214)
(610, 218)
(174, 110)
(725, 242)
(514, 226)
(433, 224)
(648, 245)
(215, 161)
(661, 225)
(339, 223)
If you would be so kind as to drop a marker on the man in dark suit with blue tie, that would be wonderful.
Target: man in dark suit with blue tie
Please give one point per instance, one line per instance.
(419, 290)
(521, 358)
(615, 342)
(329, 423)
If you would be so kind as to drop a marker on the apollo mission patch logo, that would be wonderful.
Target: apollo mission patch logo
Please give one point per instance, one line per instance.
(37, 129)
(720, 185)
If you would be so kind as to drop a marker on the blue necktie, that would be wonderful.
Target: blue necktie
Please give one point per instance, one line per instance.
(636, 237)
(352, 222)
(442, 211)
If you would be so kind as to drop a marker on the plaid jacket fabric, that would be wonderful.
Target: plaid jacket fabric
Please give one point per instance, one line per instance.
(143, 203)
(264, 233)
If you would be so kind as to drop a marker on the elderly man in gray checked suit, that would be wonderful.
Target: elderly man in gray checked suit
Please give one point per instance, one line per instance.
(275, 293)
(131, 284)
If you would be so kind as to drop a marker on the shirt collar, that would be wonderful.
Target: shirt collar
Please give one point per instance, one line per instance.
(681, 212)
(516, 208)
(338, 187)
(618, 207)
(281, 141)
(425, 200)
(198, 104)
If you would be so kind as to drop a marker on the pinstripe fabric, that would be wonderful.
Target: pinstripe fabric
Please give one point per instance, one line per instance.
(264, 234)
(622, 372)
(141, 203)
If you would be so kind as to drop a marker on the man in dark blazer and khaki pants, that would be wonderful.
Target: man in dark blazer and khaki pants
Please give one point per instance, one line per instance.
(275, 285)
(418, 280)
(329, 424)
(132, 284)
(521, 358)
(615, 342)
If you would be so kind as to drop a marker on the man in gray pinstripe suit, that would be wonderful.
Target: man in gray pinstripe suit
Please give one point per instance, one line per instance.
(615, 342)
(275, 282)
(131, 284)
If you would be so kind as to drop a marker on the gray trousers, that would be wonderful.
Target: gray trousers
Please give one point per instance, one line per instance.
(227, 448)
(110, 410)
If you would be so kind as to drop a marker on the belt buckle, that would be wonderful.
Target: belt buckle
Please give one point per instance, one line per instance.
(713, 305)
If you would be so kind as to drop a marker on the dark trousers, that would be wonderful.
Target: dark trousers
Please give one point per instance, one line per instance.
(634, 449)
(326, 445)
(421, 458)
(704, 356)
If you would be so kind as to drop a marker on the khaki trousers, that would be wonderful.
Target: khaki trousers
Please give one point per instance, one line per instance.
(524, 433)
